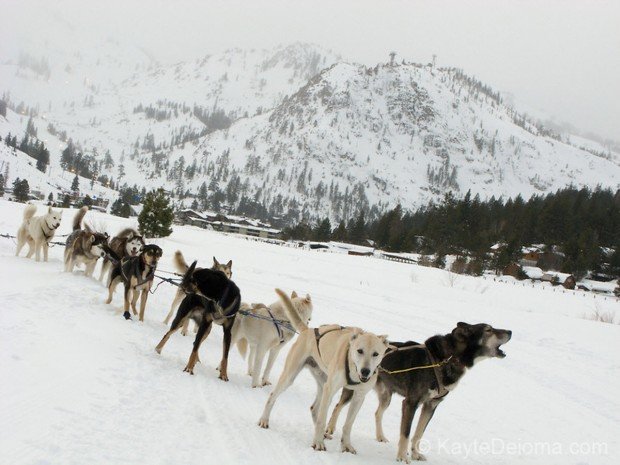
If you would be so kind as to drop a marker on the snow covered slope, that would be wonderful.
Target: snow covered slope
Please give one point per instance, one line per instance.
(18, 164)
(357, 137)
(82, 385)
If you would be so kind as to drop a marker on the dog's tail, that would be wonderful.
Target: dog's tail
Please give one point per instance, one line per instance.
(188, 278)
(79, 216)
(29, 211)
(128, 232)
(242, 346)
(291, 312)
(179, 262)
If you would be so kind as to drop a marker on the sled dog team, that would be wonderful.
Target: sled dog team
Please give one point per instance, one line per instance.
(341, 359)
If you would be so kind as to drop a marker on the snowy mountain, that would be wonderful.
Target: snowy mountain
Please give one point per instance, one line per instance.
(296, 132)
(356, 137)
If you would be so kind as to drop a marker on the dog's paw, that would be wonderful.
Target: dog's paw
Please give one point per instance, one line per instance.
(127, 315)
(348, 448)
(223, 377)
(382, 438)
(328, 435)
(263, 423)
(158, 350)
(402, 458)
(417, 456)
(189, 370)
(266, 382)
(319, 445)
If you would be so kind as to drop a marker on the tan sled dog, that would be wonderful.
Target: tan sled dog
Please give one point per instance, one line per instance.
(337, 357)
(268, 331)
(37, 231)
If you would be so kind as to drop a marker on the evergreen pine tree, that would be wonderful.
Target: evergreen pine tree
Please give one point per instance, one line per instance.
(120, 208)
(156, 217)
(357, 232)
(87, 201)
(340, 233)
(21, 190)
(43, 158)
(322, 232)
(75, 185)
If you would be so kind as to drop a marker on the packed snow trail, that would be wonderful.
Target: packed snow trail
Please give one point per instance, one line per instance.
(82, 385)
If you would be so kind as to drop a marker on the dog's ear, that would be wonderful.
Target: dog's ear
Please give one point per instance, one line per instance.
(92, 238)
(215, 262)
(383, 338)
(293, 295)
(308, 298)
(462, 331)
(229, 264)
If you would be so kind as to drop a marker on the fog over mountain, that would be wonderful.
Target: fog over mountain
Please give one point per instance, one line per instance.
(220, 106)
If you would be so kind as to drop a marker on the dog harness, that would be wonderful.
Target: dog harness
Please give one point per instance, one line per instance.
(277, 323)
(136, 270)
(280, 333)
(52, 230)
(435, 365)
(318, 335)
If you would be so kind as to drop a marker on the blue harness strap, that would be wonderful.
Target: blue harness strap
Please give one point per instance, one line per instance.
(275, 323)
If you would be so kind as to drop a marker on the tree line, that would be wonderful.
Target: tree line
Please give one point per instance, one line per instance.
(584, 224)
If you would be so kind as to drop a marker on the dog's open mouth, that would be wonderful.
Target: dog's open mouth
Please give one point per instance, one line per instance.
(363, 379)
(499, 353)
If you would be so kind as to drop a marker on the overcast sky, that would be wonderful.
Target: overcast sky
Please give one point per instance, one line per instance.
(558, 57)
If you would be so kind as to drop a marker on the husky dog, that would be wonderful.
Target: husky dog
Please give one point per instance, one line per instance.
(181, 266)
(263, 335)
(84, 245)
(443, 360)
(37, 231)
(126, 243)
(211, 298)
(337, 357)
(136, 274)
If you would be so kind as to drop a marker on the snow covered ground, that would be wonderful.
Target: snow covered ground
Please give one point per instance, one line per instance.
(81, 385)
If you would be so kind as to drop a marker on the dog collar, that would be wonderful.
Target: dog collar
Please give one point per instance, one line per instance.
(347, 372)
(47, 236)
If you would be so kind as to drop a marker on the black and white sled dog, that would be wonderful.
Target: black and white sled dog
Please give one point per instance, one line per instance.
(37, 231)
(181, 266)
(84, 245)
(211, 298)
(337, 357)
(268, 331)
(136, 274)
(127, 243)
(438, 365)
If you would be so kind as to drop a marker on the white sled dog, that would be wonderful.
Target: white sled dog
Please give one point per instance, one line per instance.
(337, 356)
(37, 231)
(264, 334)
